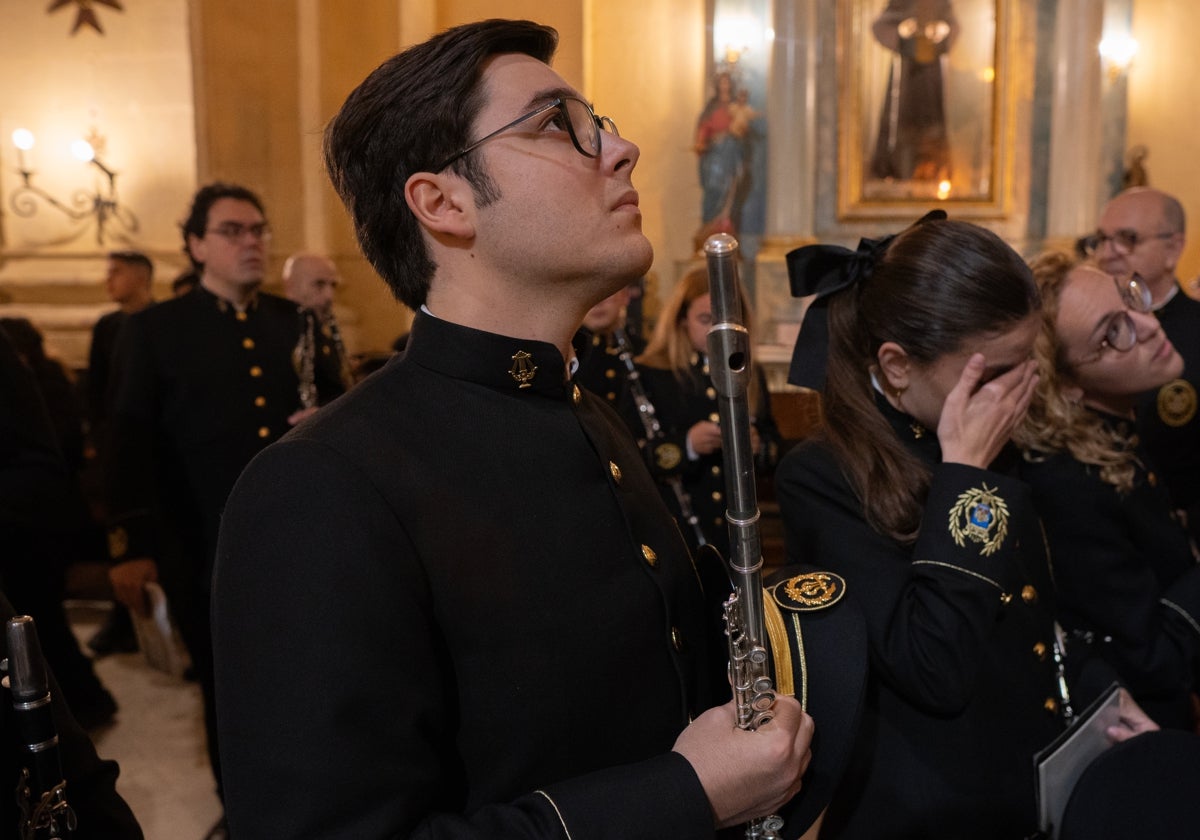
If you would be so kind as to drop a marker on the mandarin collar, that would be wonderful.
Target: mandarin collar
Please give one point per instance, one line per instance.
(1121, 426)
(916, 437)
(497, 361)
(223, 305)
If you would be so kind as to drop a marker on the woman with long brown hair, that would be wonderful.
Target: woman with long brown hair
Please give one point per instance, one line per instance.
(906, 493)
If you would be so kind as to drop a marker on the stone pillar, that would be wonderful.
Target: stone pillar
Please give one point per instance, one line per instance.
(791, 176)
(1075, 170)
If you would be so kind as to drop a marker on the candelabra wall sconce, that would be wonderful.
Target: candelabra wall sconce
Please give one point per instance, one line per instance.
(99, 203)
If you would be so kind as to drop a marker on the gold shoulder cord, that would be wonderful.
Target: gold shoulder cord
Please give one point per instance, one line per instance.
(781, 650)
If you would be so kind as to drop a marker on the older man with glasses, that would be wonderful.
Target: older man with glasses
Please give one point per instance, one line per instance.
(204, 381)
(1141, 231)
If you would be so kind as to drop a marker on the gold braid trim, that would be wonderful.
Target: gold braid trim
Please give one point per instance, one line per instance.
(803, 662)
(781, 651)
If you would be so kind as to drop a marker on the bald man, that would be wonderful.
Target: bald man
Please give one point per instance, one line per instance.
(1141, 231)
(311, 280)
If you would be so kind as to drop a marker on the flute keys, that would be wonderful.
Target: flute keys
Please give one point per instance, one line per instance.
(762, 702)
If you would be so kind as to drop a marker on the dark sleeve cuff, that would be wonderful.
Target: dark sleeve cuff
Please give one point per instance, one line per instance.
(660, 797)
(1182, 600)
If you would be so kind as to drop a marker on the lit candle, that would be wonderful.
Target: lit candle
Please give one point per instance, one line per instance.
(83, 151)
(23, 139)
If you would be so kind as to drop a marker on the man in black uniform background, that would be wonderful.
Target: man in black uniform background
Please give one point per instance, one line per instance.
(204, 381)
(1141, 231)
(129, 280)
(486, 624)
(311, 281)
(599, 349)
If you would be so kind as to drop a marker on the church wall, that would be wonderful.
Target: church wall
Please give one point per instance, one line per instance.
(1163, 101)
(186, 92)
(130, 91)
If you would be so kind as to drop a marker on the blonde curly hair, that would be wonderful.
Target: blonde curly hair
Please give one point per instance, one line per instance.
(1055, 422)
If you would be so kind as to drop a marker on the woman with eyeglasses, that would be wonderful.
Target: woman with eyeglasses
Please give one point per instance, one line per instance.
(1126, 575)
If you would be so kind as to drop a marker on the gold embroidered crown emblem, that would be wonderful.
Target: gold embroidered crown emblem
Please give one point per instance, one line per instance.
(980, 516)
(809, 591)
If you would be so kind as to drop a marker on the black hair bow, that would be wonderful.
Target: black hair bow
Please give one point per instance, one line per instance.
(825, 270)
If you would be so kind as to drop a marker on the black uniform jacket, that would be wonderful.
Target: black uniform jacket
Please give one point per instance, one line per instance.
(1169, 419)
(1128, 583)
(200, 389)
(452, 604)
(678, 406)
(601, 368)
(100, 359)
(961, 691)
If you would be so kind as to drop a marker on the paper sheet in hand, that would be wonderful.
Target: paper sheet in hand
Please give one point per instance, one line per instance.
(156, 636)
(1060, 764)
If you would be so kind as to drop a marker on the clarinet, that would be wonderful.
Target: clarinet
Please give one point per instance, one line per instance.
(729, 365)
(306, 359)
(654, 432)
(41, 792)
(335, 335)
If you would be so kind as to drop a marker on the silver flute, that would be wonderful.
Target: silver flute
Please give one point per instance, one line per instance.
(654, 431)
(729, 366)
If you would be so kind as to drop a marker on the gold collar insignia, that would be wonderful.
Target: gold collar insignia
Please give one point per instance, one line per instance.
(522, 371)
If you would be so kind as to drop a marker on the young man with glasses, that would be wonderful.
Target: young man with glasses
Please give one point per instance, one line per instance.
(204, 381)
(1142, 231)
(488, 624)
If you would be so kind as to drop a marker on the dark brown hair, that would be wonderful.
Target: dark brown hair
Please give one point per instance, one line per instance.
(938, 287)
(412, 112)
(196, 222)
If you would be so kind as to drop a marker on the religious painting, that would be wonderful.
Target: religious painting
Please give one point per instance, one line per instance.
(731, 129)
(922, 110)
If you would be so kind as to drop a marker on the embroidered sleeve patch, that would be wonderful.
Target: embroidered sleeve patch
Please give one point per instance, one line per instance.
(980, 516)
(667, 456)
(1177, 403)
(810, 591)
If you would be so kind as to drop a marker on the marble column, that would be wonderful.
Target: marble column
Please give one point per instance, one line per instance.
(791, 177)
(1075, 145)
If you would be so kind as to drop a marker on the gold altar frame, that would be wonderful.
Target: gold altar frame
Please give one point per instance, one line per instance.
(977, 83)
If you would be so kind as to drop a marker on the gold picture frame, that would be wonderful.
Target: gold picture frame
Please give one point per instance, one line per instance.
(925, 110)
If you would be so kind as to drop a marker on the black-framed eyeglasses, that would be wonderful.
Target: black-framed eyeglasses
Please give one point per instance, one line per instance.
(1123, 240)
(234, 231)
(574, 115)
(1120, 331)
